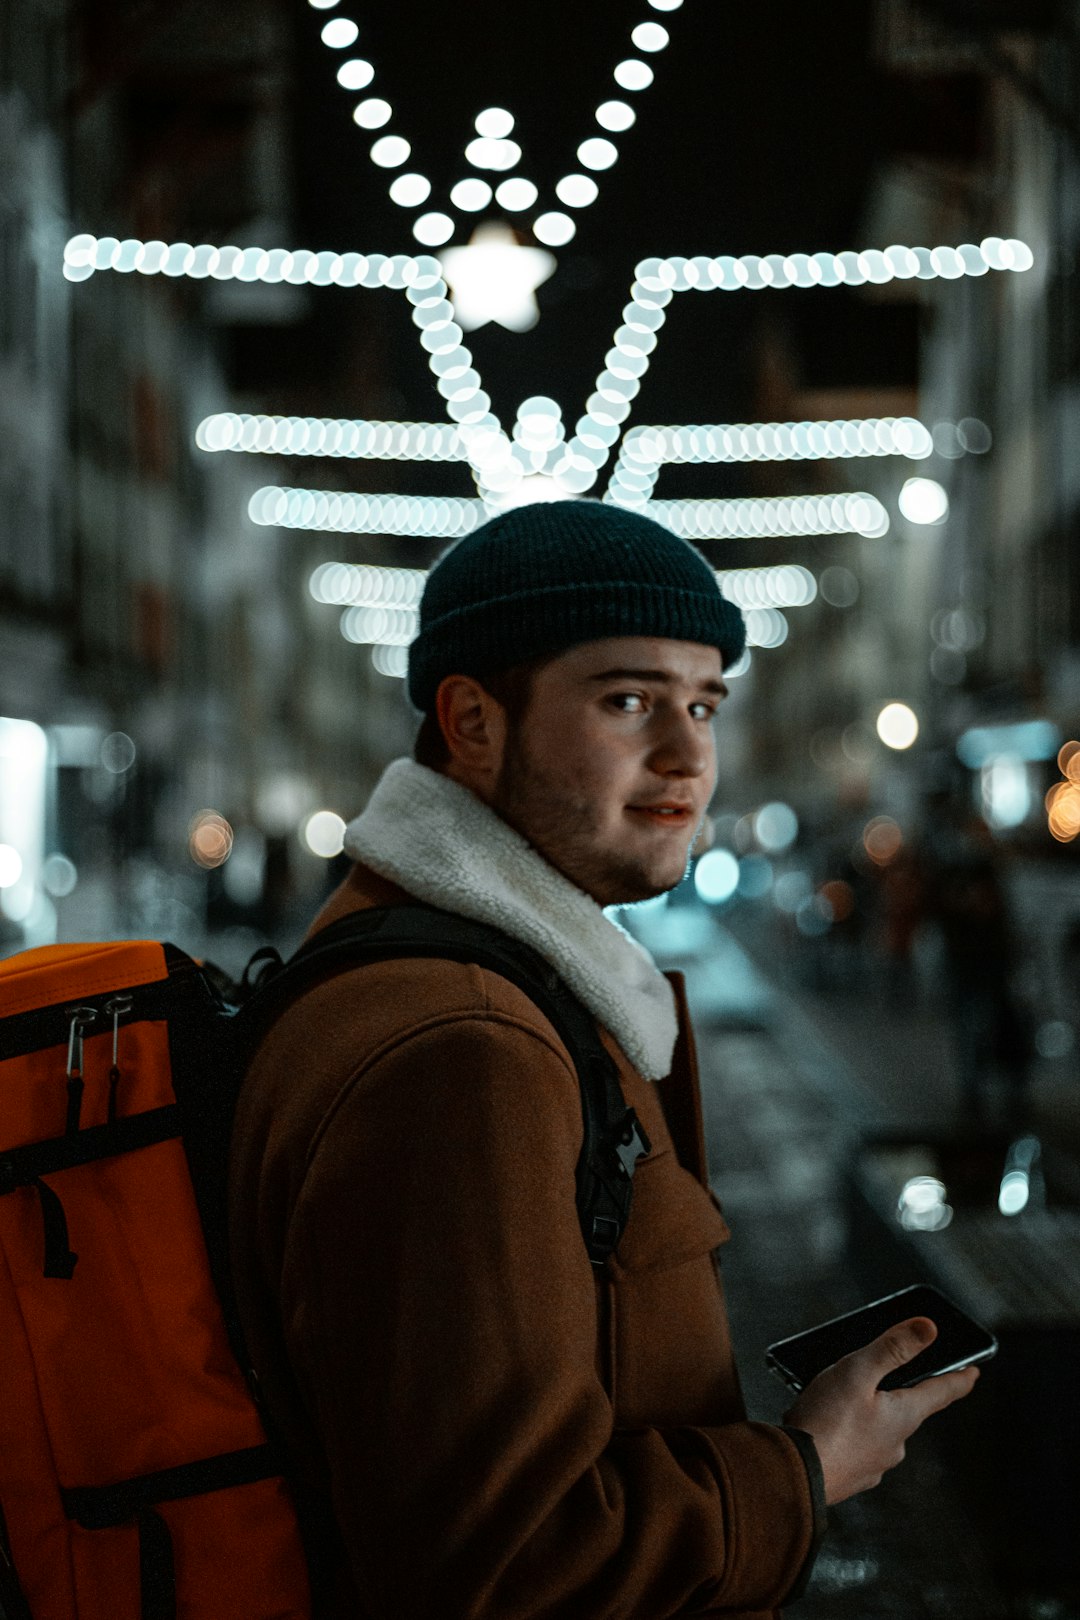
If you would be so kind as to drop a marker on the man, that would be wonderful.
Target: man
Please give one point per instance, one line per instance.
(495, 1427)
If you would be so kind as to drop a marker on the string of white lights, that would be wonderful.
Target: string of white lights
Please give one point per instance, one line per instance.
(786, 585)
(84, 254)
(488, 448)
(644, 450)
(780, 441)
(755, 272)
(492, 150)
(392, 661)
(373, 624)
(347, 513)
(424, 516)
(388, 626)
(367, 585)
(329, 436)
(765, 627)
(784, 516)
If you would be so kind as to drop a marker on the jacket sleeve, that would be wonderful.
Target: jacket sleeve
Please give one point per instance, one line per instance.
(440, 1315)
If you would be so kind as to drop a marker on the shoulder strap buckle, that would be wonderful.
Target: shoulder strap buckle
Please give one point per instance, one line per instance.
(630, 1143)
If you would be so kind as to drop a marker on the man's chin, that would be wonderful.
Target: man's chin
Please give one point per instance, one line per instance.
(636, 889)
(644, 899)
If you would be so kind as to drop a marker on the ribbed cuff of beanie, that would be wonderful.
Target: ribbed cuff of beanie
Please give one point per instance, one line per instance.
(501, 631)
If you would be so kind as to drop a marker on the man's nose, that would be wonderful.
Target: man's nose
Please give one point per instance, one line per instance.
(682, 747)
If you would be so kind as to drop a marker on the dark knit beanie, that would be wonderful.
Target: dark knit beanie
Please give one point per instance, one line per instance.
(542, 578)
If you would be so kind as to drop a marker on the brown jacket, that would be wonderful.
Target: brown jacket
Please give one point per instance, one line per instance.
(500, 1431)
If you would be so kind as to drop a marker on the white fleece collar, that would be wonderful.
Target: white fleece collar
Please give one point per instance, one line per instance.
(445, 846)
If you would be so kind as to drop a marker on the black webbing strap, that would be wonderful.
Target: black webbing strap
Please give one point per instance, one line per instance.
(613, 1140)
(19, 1166)
(59, 1258)
(157, 1568)
(103, 1507)
(13, 1604)
(24, 1167)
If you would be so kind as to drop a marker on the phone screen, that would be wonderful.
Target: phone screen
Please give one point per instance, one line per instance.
(960, 1339)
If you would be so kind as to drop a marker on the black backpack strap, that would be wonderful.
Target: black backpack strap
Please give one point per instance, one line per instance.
(613, 1139)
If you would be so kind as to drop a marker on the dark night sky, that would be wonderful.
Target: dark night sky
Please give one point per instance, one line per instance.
(758, 135)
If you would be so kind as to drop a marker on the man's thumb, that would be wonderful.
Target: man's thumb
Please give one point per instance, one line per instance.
(903, 1342)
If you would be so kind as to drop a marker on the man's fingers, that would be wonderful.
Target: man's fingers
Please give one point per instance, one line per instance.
(934, 1394)
(899, 1345)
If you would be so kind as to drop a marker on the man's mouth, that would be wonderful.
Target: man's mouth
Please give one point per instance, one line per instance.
(667, 815)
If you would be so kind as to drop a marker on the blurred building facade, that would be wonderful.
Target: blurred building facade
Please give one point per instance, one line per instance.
(158, 654)
(973, 622)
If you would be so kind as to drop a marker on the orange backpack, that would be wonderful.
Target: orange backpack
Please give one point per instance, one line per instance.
(136, 1478)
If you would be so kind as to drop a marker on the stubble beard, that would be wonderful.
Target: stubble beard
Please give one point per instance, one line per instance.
(566, 832)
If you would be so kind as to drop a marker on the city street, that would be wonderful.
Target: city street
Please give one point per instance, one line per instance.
(794, 1083)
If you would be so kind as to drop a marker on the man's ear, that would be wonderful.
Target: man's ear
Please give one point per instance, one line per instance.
(474, 726)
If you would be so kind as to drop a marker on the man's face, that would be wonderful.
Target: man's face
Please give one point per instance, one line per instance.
(612, 767)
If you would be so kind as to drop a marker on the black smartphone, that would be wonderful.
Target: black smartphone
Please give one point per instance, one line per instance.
(960, 1340)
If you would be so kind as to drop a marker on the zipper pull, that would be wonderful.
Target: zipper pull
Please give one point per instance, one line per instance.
(81, 1018)
(118, 1006)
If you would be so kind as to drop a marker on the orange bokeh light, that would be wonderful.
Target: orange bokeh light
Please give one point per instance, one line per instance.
(1063, 811)
(882, 839)
(210, 839)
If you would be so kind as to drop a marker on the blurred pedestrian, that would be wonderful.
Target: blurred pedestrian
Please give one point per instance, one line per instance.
(903, 910)
(967, 900)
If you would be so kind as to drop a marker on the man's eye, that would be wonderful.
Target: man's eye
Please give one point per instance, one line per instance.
(628, 702)
(703, 711)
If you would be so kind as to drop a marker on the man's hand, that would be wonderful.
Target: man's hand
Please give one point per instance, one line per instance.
(859, 1430)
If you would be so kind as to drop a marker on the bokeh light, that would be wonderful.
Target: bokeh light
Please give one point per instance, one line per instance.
(633, 74)
(839, 586)
(11, 866)
(649, 36)
(324, 834)
(355, 74)
(409, 190)
(210, 839)
(59, 876)
(390, 151)
(494, 122)
(577, 190)
(339, 33)
(882, 839)
(1014, 1192)
(776, 827)
(117, 753)
(554, 229)
(433, 229)
(1063, 811)
(615, 116)
(897, 725)
(372, 113)
(471, 195)
(716, 876)
(923, 500)
(922, 1205)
